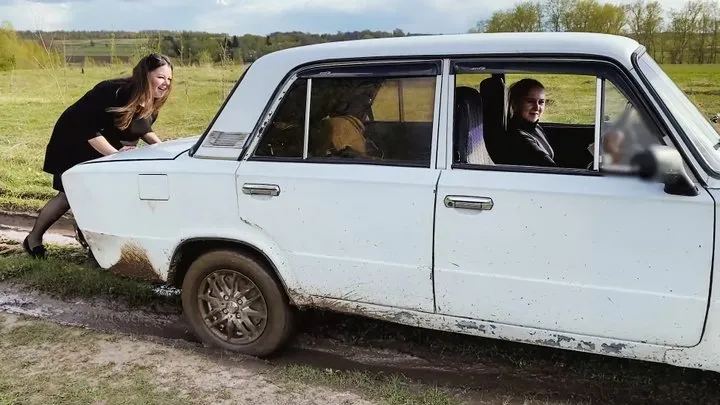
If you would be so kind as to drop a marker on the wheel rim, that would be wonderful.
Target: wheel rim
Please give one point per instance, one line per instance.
(232, 307)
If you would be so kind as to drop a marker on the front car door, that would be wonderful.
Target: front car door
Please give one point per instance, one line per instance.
(342, 180)
(572, 250)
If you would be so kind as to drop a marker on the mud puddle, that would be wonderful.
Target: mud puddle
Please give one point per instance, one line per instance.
(483, 368)
(25, 220)
(166, 321)
(96, 314)
(501, 372)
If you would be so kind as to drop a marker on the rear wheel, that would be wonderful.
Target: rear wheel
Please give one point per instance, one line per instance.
(233, 302)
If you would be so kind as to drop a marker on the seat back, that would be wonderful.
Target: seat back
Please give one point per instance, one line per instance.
(468, 131)
(493, 96)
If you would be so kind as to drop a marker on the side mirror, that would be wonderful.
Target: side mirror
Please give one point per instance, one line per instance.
(662, 164)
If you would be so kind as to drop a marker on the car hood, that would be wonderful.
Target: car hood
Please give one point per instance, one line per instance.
(167, 150)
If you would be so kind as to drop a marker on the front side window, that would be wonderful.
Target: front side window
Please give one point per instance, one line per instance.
(620, 117)
(530, 119)
(367, 119)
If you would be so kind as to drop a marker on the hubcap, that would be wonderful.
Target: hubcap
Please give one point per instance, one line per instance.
(232, 307)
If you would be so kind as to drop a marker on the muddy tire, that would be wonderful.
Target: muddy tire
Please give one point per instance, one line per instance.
(234, 303)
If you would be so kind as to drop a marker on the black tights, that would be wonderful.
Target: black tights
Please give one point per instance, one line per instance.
(51, 212)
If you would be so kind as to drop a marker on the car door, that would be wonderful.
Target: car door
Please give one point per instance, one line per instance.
(345, 189)
(573, 251)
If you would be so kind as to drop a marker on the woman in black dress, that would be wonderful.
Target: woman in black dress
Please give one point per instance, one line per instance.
(112, 112)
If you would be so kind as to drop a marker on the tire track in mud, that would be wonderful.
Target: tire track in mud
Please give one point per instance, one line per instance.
(166, 321)
(492, 369)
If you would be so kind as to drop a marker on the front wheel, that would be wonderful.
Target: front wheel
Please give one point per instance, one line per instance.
(232, 302)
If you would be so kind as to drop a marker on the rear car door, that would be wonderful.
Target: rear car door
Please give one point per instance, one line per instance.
(345, 187)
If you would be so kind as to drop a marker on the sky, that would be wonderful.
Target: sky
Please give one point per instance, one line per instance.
(256, 16)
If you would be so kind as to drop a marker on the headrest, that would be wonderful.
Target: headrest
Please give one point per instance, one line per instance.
(465, 93)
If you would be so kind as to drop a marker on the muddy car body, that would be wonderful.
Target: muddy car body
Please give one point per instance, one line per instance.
(279, 204)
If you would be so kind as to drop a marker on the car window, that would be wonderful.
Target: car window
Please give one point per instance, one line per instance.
(373, 119)
(405, 100)
(362, 115)
(569, 98)
(622, 118)
(545, 120)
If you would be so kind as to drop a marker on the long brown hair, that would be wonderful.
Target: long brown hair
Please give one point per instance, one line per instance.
(142, 101)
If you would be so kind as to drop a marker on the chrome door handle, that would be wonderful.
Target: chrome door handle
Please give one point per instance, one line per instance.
(469, 203)
(261, 189)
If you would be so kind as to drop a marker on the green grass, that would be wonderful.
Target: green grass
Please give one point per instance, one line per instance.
(65, 275)
(99, 47)
(46, 363)
(31, 101)
(127, 47)
(571, 98)
(393, 390)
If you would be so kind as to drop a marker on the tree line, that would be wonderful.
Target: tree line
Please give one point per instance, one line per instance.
(687, 35)
(192, 47)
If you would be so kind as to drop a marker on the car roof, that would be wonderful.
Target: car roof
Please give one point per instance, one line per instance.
(604, 45)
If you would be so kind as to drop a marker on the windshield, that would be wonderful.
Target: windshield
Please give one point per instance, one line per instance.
(696, 126)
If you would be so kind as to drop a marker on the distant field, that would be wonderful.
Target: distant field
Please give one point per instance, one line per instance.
(31, 101)
(98, 47)
(572, 101)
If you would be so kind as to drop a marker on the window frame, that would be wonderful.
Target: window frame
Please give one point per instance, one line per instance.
(600, 69)
(358, 68)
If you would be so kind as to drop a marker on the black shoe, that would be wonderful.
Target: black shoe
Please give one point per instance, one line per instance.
(38, 252)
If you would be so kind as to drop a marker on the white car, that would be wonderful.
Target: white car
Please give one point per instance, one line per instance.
(359, 177)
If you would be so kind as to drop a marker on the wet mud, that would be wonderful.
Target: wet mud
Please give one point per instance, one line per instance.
(482, 367)
(24, 220)
(494, 371)
(97, 314)
(135, 263)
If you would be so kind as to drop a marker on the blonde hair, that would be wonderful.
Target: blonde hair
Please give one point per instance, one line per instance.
(142, 101)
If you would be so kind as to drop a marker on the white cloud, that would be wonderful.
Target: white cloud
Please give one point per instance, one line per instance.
(279, 6)
(265, 16)
(37, 16)
(257, 16)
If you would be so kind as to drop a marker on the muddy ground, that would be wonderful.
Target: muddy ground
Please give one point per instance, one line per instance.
(494, 371)
(45, 363)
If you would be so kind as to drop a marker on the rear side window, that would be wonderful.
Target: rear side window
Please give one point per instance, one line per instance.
(361, 117)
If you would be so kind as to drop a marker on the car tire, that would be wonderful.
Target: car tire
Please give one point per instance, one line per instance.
(233, 281)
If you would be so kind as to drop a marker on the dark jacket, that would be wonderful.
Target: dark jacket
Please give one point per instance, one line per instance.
(527, 145)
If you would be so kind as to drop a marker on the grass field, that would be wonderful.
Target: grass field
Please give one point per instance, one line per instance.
(98, 47)
(44, 362)
(31, 101)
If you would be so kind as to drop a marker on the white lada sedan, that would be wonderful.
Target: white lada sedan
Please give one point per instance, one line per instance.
(385, 178)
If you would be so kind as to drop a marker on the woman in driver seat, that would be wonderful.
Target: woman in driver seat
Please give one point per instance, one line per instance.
(526, 141)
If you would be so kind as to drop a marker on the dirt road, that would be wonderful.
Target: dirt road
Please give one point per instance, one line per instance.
(485, 371)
